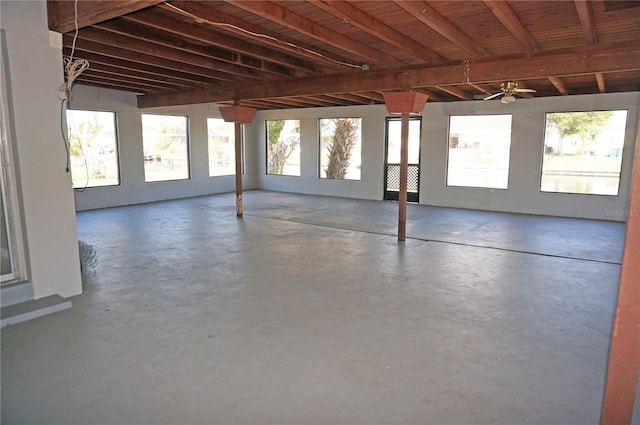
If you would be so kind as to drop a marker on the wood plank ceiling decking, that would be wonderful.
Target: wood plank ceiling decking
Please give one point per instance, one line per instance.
(296, 54)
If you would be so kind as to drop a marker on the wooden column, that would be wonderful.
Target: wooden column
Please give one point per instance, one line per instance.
(404, 103)
(624, 353)
(404, 171)
(238, 157)
(238, 115)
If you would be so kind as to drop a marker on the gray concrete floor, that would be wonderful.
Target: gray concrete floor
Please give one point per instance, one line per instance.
(309, 311)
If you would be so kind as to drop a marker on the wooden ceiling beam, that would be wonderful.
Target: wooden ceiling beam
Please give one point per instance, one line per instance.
(585, 14)
(600, 80)
(227, 60)
(512, 23)
(426, 14)
(562, 63)
(220, 70)
(559, 85)
(454, 91)
(195, 72)
(203, 35)
(62, 14)
(282, 16)
(348, 13)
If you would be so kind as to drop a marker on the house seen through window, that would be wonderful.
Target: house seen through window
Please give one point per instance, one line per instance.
(166, 147)
(93, 148)
(221, 136)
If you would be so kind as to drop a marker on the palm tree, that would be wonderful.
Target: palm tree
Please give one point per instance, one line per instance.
(340, 146)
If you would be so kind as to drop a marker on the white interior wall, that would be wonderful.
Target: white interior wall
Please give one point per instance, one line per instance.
(34, 75)
(523, 195)
(133, 189)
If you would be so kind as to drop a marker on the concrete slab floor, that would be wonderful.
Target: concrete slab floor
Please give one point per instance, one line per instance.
(309, 311)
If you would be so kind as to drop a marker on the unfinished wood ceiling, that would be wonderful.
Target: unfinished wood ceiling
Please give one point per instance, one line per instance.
(283, 54)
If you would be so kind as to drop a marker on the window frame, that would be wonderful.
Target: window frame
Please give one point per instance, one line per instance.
(188, 146)
(320, 149)
(116, 133)
(242, 149)
(622, 158)
(266, 145)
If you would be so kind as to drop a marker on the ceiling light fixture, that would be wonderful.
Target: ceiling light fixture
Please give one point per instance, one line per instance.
(508, 99)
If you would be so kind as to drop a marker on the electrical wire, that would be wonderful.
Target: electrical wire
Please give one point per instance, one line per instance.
(72, 68)
(255, 34)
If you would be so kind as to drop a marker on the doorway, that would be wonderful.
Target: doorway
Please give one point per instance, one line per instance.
(392, 159)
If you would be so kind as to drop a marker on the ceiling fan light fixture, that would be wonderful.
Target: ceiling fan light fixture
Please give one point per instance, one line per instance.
(508, 99)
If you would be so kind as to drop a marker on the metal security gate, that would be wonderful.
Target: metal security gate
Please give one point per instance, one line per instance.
(392, 182)
(392, 160)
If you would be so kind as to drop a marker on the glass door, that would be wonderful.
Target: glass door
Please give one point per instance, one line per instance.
(392, 159)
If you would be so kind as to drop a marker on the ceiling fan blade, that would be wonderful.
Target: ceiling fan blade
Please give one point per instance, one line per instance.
(525, 90)
(493, 96)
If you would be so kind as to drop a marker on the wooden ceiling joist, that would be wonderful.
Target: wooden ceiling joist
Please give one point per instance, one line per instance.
(277, 13)
(512, 23)
(589, 60)
(424, 12)
(220, 70)
(152, 79)
(600, 81)
(454, 91)
(62, 13)
(194, 72)
(129, 66)
(585, 14)
(114, 86)
(559, 84)
(227, 60)
(483, 89)
(205, 36)
(350, 14)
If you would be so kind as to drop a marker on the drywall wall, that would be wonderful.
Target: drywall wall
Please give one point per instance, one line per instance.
(34, 75)
(523, 195)
(133, 189)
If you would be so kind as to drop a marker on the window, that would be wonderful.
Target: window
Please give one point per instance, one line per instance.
(479, 148)
(166, 151)
(583, 152)
(221, 147)
(340, 140)
(93, 148)
(283, 147)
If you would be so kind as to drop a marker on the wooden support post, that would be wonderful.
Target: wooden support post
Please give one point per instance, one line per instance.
(238, 115)
(624, 353)
(238, 155)
(404, 103)
(404, 170)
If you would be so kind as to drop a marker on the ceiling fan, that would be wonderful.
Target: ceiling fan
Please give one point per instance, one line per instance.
(508, 89)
